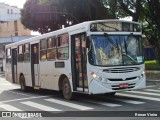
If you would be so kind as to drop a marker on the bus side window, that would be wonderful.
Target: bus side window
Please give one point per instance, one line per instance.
(8, 55)
(43, 46)
(51, 48)
(27, 52)
(63, 46)
(20, 53)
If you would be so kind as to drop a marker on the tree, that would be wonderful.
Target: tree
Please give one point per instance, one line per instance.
(152, 28)
(146, 12)
(49, 15)
(123, 8)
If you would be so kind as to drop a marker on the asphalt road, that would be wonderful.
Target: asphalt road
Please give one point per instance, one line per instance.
(122, 106)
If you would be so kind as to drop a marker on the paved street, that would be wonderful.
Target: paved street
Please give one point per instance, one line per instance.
(12, 99)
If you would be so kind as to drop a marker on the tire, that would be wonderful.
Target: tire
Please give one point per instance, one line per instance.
(110, 94)
(66, 89)
(23, 84)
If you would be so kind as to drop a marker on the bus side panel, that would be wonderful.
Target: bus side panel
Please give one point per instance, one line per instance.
(20, 70)
(25, 69)
(27, 73)
(8, 72)
(47, 76)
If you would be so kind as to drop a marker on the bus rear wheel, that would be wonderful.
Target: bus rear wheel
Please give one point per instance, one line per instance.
(23, 84)
(66, 89)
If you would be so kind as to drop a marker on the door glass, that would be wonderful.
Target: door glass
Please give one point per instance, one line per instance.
(81, 60)
(35, 49)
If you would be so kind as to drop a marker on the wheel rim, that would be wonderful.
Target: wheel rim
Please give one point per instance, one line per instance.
(67, 89)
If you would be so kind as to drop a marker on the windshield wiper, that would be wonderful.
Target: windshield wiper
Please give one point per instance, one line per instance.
(125, 46)
(126, 42)
(109, 39)
(130, 57)
(128, 38)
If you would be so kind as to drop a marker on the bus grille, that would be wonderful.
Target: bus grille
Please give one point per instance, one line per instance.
(116, 87)
(121, 70)
(120, 79)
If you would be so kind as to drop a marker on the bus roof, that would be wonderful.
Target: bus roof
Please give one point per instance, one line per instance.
(65, 30)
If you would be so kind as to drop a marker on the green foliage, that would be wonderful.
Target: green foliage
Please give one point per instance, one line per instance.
(123, 8)
(152, 69)
(151, 20)
(152, 65)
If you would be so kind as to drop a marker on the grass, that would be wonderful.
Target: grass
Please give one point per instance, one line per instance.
(152, 65)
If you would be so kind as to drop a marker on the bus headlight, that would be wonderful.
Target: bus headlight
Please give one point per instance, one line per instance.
(95, 76)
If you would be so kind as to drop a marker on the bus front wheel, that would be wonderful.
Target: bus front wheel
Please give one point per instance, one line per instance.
(66, 89)
(22, 83)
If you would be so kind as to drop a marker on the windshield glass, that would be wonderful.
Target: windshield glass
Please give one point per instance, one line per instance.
(107, 50)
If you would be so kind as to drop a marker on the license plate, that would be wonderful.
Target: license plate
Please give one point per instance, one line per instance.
(124, 85)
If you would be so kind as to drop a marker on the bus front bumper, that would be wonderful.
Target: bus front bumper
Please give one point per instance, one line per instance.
(97, 87)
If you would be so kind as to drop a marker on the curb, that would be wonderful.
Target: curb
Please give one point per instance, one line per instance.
(153, 80)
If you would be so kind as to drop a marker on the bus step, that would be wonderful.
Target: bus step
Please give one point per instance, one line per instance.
(36, 87)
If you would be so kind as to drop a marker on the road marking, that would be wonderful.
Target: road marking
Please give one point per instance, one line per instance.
(14, 92)
(9, 107)
(1, 91)
(138, 96)
(102, 103)
(127, 101)
(150, 86)
(1, 102)
(68, 104)
(18, 93)
(152, 90)
(40, 106)
(145, 93)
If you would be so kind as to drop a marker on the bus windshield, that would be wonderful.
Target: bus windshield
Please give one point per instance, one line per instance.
(110, 50)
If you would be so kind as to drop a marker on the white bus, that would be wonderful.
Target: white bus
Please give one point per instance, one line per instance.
(95, 57)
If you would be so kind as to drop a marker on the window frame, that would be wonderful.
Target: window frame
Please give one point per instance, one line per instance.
(61, 47)
(20, 53)
(27, 52)
(53, 47)
(43, 49)
(8, 56)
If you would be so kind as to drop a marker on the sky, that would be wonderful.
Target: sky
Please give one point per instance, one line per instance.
(18, 3)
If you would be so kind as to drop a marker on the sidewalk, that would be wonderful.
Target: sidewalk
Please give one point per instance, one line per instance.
(150, 82)
(153, 77)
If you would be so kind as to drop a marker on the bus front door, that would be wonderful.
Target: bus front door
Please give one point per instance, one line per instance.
(14, 65)
(35, 64)
(79, 60)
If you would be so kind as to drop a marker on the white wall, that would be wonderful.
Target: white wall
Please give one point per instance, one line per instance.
(9, 13)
